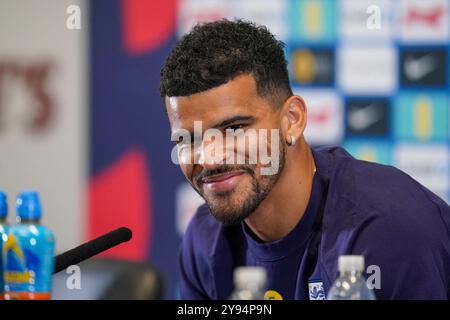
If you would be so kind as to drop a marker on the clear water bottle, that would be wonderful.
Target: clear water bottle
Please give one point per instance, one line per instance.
(351, 284)
(249, 283)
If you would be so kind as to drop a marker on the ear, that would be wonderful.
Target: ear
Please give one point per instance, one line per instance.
(293, 118)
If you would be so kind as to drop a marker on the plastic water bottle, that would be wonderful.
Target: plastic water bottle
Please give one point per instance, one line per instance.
(28, 253)
(3, 237)
(351, 284)
(249, 283)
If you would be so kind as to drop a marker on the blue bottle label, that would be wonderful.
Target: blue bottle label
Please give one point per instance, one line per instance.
(3, 237)
(28, 259)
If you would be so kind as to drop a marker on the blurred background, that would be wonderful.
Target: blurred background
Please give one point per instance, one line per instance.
(81, 120)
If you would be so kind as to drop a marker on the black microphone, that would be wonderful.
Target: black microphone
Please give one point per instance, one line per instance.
(91, 248)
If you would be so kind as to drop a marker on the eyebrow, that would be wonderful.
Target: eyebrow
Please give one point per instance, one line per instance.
(231, 120)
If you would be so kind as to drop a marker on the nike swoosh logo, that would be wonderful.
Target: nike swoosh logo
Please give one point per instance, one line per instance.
(418, 68)
(361, 119)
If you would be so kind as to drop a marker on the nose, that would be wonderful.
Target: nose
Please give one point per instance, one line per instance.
(212, 153)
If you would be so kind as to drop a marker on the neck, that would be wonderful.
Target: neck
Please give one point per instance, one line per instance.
(286, 203)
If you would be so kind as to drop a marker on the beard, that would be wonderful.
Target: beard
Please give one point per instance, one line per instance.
(233, 206)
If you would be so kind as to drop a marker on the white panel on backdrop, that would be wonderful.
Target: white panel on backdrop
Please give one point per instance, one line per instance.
(366, 20)
(191, 12)
(429, 164)
(325, 116)
(187, 201)
(43, 110)
(272, 14)
(424, 21)
(367, 70)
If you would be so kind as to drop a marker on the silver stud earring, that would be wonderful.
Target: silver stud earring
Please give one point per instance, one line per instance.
(293, 141)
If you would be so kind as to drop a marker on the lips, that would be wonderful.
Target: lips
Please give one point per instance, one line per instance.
(222, 182)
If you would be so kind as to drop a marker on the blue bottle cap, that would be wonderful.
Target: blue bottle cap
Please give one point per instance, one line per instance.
(28, 205)
(3, 205)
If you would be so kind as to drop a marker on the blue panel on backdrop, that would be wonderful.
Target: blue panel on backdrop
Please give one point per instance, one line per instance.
(127, 113)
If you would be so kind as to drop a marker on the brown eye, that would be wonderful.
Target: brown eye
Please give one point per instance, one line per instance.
(235, 127)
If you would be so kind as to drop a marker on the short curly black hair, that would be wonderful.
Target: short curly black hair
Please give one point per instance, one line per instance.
(213, 53)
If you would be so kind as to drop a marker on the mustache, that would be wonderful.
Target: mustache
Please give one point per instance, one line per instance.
(222, 169)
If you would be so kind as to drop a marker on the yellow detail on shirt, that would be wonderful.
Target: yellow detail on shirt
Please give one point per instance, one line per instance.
(272, 295)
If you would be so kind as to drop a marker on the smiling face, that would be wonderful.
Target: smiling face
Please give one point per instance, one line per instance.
(232, 191)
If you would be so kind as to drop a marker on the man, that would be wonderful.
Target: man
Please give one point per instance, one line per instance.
(317, 205)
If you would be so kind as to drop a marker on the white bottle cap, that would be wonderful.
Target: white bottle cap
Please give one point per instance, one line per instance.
(250, 276)
(351, 263)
